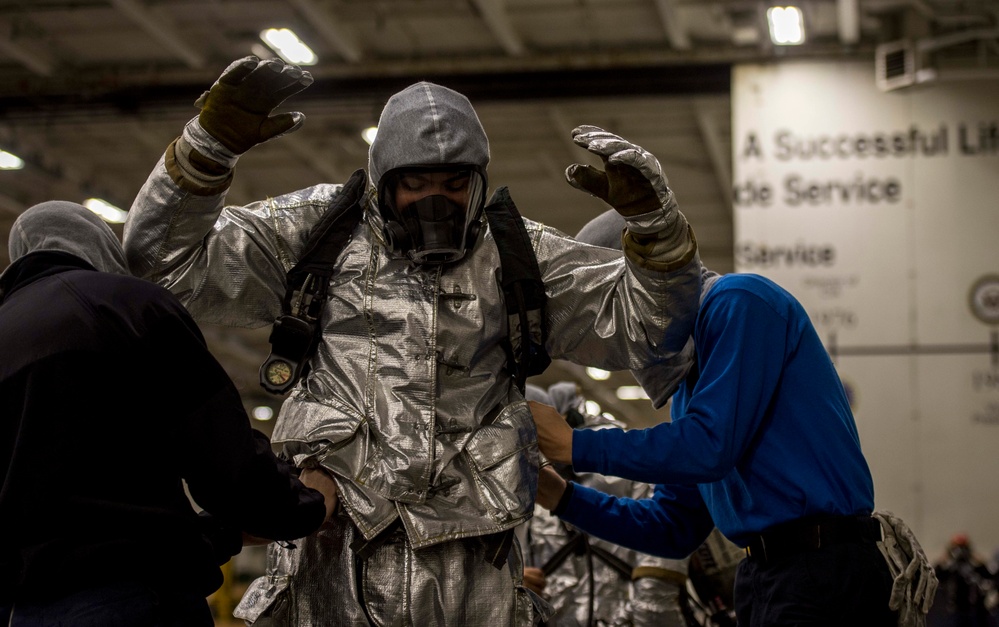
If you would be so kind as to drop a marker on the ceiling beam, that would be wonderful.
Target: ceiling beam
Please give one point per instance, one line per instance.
(38, 61)
(161, 30)
(495, 15)
(315, 159)
(325, 24)
(848, 22)
(675, 31)
(563, 131)
(713, 142)
(11, 206)
(165, 99)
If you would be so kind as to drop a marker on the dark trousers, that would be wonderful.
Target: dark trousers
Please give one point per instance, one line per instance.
(116, 605)
(833, 586)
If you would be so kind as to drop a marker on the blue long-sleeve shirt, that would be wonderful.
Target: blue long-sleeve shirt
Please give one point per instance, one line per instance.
(761, 433)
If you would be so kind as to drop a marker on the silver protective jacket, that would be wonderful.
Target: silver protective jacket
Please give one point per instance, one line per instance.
(408, 401)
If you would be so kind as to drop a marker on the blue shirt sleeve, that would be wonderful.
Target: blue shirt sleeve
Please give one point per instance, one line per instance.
(671, 523)
(740, 339)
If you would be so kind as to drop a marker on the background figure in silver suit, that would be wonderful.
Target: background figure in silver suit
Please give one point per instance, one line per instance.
(409, 401)
(590, 581)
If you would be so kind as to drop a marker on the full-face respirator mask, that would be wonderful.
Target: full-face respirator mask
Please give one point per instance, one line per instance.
(440, 214)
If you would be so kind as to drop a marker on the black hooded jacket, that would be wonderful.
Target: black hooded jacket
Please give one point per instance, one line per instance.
(108, 399)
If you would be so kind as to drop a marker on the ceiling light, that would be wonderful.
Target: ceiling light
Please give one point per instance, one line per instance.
(597, 374)
(263, 413)
(787, 26)
(592, 408)
(369, 134)
(105, 210)
(288, 46)
(631, 393)
(10, 162)
(261, 51)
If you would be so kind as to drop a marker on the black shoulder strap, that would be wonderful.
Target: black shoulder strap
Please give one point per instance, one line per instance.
(295, 333)
(523, 288)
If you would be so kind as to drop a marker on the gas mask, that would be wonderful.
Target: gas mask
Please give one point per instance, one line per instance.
(432, 214)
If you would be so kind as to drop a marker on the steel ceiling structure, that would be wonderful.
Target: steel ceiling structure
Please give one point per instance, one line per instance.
(92, 91)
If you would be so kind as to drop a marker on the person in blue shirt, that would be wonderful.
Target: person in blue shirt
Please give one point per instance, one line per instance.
(762, 444)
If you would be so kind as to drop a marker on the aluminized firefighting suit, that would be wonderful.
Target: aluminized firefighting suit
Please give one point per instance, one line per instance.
(408, 402)
(586, 589)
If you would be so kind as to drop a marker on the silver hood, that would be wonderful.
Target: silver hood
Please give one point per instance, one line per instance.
(70, 228)
(427, 124)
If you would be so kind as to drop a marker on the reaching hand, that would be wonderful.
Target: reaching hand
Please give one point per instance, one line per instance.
(551, 486)
(319, 479)
(632, 180)
(554, 433)
(534, 580)
(237, 109)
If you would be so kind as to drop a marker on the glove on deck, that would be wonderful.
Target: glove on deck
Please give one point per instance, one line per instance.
(915, 581)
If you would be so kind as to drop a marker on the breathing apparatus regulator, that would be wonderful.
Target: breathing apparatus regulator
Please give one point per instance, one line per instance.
(439, 227)
(433, 229)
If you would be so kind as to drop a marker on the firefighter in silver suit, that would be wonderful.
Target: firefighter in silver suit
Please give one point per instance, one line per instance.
(590, 581)
(408, 402)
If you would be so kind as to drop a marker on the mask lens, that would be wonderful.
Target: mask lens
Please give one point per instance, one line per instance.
(436, 208)
(439, 220)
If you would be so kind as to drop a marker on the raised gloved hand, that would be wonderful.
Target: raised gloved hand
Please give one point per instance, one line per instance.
(915, 581)
(632, 180)
(237, 109)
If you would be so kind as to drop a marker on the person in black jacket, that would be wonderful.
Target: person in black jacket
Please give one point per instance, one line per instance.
(109, 398)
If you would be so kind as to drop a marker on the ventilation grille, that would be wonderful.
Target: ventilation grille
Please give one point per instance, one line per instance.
(894, 65)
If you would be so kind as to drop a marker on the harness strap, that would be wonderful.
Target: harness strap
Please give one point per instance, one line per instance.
(296, 331)
(523, 288)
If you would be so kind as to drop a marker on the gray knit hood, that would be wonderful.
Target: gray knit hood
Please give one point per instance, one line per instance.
(427, 124)
(70, 228)
(604, 230)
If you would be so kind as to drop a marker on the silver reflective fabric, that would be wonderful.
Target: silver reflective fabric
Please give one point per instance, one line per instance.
(616, 600)
(445, 584)
(407, 402)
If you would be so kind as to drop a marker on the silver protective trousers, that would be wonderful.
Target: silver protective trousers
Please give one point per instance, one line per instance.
(323, 582)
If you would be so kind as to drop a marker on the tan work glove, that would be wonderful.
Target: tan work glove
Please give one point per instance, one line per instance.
(235, 116)
(915, 580)
(633, 183)
(237, 109)
(632, 180)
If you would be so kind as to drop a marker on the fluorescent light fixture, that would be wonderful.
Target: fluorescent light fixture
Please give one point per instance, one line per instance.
(787, 26)
(263, 413)
(288, 46)
(10, 162)
(261, 51)
(597, 374)
(369, 134)
(105, 210)
(631, 393)
(592, 408)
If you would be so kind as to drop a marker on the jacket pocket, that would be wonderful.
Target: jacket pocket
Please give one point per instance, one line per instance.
(503, 456)
(267, 601)
(310, 427)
